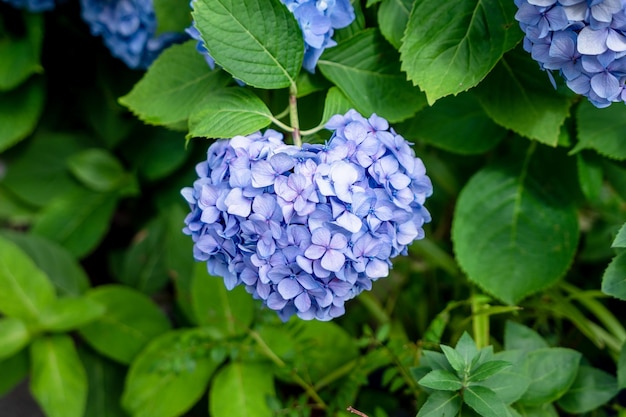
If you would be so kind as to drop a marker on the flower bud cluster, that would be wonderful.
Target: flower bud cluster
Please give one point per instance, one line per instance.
(128, 28)
(306, 229)
(585, 40)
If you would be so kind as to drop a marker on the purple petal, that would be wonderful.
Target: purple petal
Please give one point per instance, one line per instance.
(321, 236)
(275, 301)
(314, 252)
(377, 268)
(605, 85)
(616, 41)
(333, 260)
(592, 42)
(237, 204)
(303, 302)
(289, 288)
(350, 222)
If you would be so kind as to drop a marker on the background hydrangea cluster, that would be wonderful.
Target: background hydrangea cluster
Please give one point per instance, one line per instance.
(585, 40)
(305, 229)
(318, 20)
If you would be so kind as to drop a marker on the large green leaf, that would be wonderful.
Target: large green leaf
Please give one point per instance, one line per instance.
(19, 111)
(258, 41)
(499, 230)
(172, 16)
(175, 82)
(591, 389)
(441, 380)
(131, 319)
(25, 290)
(227, 113)
(484, 401)
(242, 389)
(518, 96)
(14, 370)
(450, 46)
(170, 374)
(336, 103)
(97, 168)
(13, 336)
(614, 278)
(620, 239)
(366, 70)
(601, 130)
(393, 16)
(511, 383)
(441, 403)
(20, 55)
(58, 379)
(68, 314)
(520, 337)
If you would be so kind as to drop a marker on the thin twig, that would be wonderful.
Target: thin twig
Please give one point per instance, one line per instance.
(355, 411)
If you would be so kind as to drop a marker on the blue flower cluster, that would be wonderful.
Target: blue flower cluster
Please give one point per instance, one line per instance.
(318, 20)
(33, 6)
(305, 229)
(128, 29)
(585, 40)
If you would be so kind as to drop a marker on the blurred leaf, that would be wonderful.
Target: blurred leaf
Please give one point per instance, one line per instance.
(20, 56)
(547, 410)
(230, 312)
(552, 372)
(65, 273)
(620, 239)
(487, 370)
(466, 348)
(336, 103)
(242, 389)
(58, 379)
(517, 95)
(308, 83)
(236, 37)
(449, 47)
(591, 389)
(175, 82)
(25, 290)
(131, 319)
(367, 71)
(13, 336)
(621, 368)
(68, 314)
(228, 112)
(590, 176)
(169, 375)
(77, 220)
(441, 403)
(14, 370)
(601, 130)
(521, 337)
(511, 383)
(393, 16)
(614, 278)
(172, 16)
(159, 154)
(14, 211)
(20, 110)
(484, 401)
(441, 380)
(97, 168)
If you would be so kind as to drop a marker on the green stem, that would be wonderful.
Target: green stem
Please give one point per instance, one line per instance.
(480, 322)
(293, 115)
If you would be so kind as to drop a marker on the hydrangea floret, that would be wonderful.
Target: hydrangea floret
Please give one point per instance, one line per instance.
(304, 229)
(128, 28)
(584, 40)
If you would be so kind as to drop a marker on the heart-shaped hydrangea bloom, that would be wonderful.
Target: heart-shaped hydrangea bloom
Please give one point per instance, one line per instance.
(128, 28)
(584, 40)
(305, 229)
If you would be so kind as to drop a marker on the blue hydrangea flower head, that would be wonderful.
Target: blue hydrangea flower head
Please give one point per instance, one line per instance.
(584, 40)
(306, 229)
(34, 6)
(128, 29)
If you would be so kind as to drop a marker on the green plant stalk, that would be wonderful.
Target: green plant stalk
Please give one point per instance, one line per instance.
(293, 116)
(480, 322)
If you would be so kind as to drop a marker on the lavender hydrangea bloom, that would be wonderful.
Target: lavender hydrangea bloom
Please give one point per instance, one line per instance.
(34, 6)
(306, 229)
(128, 29)
(584, 40)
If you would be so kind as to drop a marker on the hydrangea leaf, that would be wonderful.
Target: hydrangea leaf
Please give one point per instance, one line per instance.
(19, 112)
(620, 239)
(449, 47)
(67, 314)
(14, 336)
(614, 278)
(97, 168)
(590, 175)
(20, 56)
(455, 124)
(58, 379)
(520, 337)
(366, 70)
(106, 382)
(393, 16)
(499, 231)
(172, 16)
(601, 130)
(170, 374)
(242, 389)
(258, 41)
(227, 113)
(518, 96)
(510, 383)
(14, 370)
(131, 318)
(441, 403)
(336, 103)
(173, 85)
(591, 389)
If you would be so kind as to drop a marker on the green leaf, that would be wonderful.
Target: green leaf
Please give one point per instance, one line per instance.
(25, 290)
(227, 113)
(511, 383)
(14, 336)
(58, 379)
(169, 375)
(449, 47)
(20, 56)
(172, 16)
(591, 389)
(435, 360)
(20, 110)
(173, 85)
(518, 96)
(441, 380)
(466, 347)
(366, 70)
(499, 231)
(106, 382)
(620, 239)
(546, 410)
(230, 312)
(63, 270)
(336, 103)
(242, 389)
(601, 130)
(621, 368)
(484, 401)
(14, 370)
(614, 278)
(131, 319)
(68, 314)
(552, 372)
(590, 176)
(455, 124)
(521, 337)
(487, 370)
(441, 404)
(393, 16)
(77, 220)
(455, 359)
(97, 168)
(258, 41)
